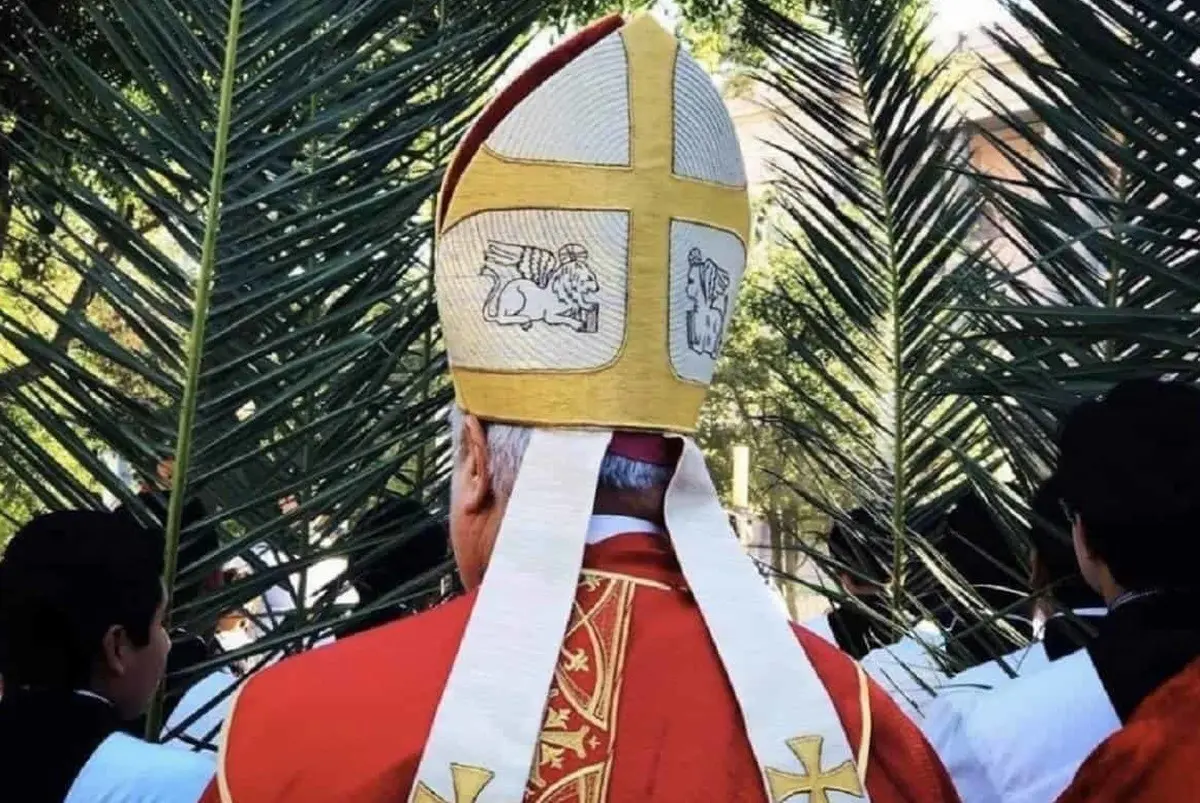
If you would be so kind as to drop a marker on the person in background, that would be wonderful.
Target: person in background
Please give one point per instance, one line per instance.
(989, 723)
(974, 545)
(1066, 610)
(905, 667)
(1130, 466)
(82, 650)
(860, 624)
(195, 643)
(411, 547)
(1129, 479)
(1070, 610)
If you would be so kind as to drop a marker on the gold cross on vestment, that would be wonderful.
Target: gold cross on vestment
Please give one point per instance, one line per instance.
(653, 194)
(468, 784)
(814, 781)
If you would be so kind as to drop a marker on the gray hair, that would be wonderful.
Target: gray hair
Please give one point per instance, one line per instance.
(506, 448)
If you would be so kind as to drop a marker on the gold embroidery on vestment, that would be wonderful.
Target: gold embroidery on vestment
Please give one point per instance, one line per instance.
(590, 579)
(864, 705)
(574, 754)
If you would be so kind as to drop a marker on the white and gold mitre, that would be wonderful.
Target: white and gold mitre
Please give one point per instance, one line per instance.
(592, 233)
(592, 236)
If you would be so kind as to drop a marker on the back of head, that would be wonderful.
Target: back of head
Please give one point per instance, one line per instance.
(65, 579)
(1130, 468)
(592, 234)
(975, 546)
(195, 542)
(411, 543)
(857, 549)
(1050, 535)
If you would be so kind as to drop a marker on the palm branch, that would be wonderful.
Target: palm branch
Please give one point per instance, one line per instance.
(250, 211)
(867, 306)
(1099, 208)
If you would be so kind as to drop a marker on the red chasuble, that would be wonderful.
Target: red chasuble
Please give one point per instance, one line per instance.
(1155, 758)
(640, 709)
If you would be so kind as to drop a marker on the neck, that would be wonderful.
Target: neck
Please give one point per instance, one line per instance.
(646, 505)
(1110, 591)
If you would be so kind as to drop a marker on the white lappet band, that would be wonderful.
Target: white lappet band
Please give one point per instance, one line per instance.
(490, 715)
(782, 699)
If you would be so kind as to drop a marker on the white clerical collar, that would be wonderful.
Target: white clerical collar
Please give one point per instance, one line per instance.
(93, 695)
(1090, 611)
(603, 527)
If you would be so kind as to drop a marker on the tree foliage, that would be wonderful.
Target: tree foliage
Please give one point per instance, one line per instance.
(1102, 207)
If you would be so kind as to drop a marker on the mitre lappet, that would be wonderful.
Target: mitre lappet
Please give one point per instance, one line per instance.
(592, 233)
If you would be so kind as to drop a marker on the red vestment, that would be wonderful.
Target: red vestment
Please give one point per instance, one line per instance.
(1155, 758)
(640, 708)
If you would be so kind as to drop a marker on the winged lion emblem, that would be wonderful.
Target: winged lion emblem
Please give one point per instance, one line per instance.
(532, 285)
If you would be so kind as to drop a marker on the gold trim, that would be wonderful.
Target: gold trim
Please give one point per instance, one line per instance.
(814, 782)
(628, 578)
(223, 748)
(468, 783)
(864, 704)
(622, 649)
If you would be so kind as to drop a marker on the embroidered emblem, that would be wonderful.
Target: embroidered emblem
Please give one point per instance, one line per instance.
(531, 285)
(708, 290)
(468, 784)
(556, 740)
(574, 753)
(814, 781)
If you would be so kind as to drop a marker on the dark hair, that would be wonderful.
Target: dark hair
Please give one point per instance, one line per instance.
(1130, 469)
(858, 550)
(974, 544)
(1050, 534)
(394, 559)
(195, 545)
(65, 579)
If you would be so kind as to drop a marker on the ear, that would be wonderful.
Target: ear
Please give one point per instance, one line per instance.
(113, 647)
(1083, 551)
(476, 487)
(1036, 575)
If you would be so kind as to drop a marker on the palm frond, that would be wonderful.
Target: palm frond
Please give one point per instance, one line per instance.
(869, 304)
(1100, 207)
(250, 211)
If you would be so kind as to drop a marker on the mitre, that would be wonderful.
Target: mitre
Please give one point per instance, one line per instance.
(592, 233)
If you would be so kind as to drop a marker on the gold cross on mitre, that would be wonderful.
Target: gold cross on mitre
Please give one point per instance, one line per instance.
(468, 784)
(814, 781)
(654, 195)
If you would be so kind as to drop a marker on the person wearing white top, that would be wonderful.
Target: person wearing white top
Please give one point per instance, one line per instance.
(1023, 741)
(82, 650)
(196, 722)
(1017, 729)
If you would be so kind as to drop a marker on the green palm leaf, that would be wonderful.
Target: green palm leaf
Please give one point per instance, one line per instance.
(1101, 211)
(869, 304)
(251, 214)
